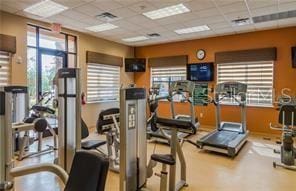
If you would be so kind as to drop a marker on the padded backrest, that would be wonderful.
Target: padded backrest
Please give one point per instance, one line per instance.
(289, 111)
(102, 123)
(88, 172)
(84, 130)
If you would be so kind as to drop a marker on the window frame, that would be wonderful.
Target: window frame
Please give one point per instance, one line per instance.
(40, 49)
(248, 104)
(118, 68)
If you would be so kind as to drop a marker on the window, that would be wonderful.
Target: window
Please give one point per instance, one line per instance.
(165, 76)
(257, 75)
(44, 51)
(103, 83)
(4, 68)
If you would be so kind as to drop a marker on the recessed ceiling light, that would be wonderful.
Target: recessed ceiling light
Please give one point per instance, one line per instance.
(193, 29)
(135, 39)
(167, 11)
(102, 27)
(46, 8)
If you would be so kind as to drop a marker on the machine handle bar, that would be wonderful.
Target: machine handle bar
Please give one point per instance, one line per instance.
(32, 169)
(279, 127)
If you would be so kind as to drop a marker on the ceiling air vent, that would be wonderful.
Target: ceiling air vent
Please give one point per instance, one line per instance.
(241, 21)
(107, 17)
(153, 35)
(275, 16)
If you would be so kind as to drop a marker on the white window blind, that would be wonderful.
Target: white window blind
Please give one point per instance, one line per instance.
(4, 68)
(165, 76)
(257, 75)
(103, 83)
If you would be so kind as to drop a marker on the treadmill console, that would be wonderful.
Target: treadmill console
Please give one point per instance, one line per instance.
(231, 88)
(286, 100)
(182, 86)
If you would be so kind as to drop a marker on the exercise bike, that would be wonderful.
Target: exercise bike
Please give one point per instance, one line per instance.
(286, 120)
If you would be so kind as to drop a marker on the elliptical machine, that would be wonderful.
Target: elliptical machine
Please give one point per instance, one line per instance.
(287, 120)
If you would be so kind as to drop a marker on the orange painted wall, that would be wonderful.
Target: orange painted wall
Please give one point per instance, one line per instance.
(258, 118)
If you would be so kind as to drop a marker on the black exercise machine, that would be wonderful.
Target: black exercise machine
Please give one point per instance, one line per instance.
(287, 121)
(108, 125)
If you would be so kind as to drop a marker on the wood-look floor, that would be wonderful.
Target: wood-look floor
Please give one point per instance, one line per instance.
(251, 170)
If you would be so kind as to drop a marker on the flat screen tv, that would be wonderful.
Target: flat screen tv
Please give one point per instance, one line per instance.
(294, 57)
(135, 65)
(200, 72)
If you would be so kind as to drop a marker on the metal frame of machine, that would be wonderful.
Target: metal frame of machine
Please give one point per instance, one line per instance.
(108, 125)
(177, 88)
(287, 122)
(133, 145)
(69, 119)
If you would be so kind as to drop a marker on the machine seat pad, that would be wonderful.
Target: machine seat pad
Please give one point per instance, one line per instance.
(41, 108)
(164, 158)
(92, 144)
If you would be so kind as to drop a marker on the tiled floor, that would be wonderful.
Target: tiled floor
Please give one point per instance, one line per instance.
(251, 170)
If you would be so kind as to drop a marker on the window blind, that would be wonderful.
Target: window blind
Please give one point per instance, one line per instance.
(4, 68)
(257, 75)
(103, 83)
(166, 75)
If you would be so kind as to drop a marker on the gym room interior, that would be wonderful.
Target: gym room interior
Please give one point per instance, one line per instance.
(126, 95)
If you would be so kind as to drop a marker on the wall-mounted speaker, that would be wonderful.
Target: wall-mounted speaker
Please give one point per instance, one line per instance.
(294, 57)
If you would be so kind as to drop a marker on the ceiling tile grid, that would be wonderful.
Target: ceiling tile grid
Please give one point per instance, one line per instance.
(218, 15)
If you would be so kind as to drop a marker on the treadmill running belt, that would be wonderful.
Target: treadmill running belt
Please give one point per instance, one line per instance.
(221, 139)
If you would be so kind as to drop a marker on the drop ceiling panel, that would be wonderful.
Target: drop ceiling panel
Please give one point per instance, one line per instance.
(208, 12)
(217, 14)
(124, 12)
(227, 2)
(70, 3)
(255, 4)
(142, 7)
(8, 8)
(219, 25)
(264, 11)
(246, 28)
(287, 22)
(106, 5)
(89, 10)
(234, 7)
(287, 6)
(237, 15)
(198, 5)
(266, 25)
(127, 25)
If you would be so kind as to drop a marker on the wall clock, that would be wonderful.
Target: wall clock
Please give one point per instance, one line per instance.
(201, 54)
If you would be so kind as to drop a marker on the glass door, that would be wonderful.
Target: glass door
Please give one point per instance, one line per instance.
(50, 61)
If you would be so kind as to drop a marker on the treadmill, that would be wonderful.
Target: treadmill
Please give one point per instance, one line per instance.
(229, 137)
